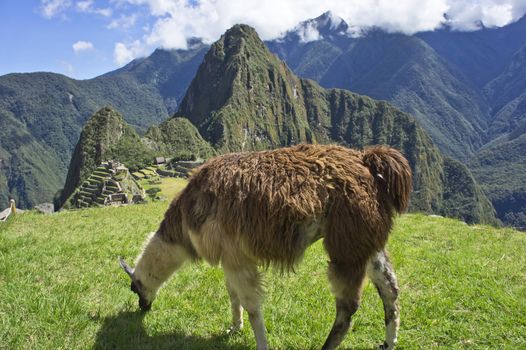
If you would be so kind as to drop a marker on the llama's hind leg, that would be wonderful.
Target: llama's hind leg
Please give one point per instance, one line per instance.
(346, 282)
(245, 281)
(381, 273)
(237, 309)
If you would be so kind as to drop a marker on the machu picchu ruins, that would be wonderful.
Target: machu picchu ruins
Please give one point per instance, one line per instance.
(109, 184)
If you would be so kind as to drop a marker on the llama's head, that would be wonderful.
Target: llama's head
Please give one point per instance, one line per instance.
(137, 286)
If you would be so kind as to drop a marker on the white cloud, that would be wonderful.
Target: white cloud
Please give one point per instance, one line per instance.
(123, 22)
(176, 20)
(86, 6)
(309, 33)
(492, 13)
(81, 45)
(52, 8)
(210, 18)
(124, 53)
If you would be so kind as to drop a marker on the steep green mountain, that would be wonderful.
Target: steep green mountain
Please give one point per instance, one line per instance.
(167, 72)
(426, 75)
(29, 170)
(467, 89)
(46, 111)
(507, 92)
(311, 57)
(244, 98)
(501, 169)
(401, 69)
(106, 136)
(177, 136)
(480, 55)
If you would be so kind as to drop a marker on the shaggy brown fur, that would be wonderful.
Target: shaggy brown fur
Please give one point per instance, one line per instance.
(267, 199)
(266, 208)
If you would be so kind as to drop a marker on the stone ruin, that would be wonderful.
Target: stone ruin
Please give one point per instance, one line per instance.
(110, 184)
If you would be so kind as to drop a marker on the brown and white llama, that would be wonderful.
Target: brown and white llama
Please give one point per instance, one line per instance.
(247, 210)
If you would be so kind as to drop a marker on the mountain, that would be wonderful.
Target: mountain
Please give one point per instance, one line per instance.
(42, 115)
(105, 136)
(501, 168)
(401, 69)
(29, 169)
(177, 137)
(480, 55)
(508, 95)
(494, 61)
(313, 46)
(166, 72)
(465, 88)
(244, 98)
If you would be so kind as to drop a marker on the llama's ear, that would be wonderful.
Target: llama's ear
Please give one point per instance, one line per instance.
(126, 267)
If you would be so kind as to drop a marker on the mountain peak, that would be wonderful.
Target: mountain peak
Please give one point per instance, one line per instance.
(241, 30)
(239, 40)
(326, 26)
(105, 136)
(330, 20)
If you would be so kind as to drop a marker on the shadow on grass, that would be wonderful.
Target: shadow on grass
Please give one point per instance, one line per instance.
(126, 331)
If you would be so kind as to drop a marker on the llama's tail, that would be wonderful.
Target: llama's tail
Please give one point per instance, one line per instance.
(392, 173)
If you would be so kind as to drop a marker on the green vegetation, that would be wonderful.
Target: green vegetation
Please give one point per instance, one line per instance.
(61, 286)
(178, 138)
(398, 68)
(466, 89)
(501, 168)
(42, 115)
(106, 136)
(169, 186)
(29, 170)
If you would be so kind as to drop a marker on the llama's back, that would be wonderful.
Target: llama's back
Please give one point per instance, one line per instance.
(270, 202)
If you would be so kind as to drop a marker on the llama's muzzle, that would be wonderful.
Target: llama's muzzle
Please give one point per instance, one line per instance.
(144, 304)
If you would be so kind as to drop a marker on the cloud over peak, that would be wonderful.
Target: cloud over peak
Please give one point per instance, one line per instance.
(170, 23)
(177, 20)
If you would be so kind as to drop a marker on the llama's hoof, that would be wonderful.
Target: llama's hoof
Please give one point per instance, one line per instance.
(385, 346)
(233, 329)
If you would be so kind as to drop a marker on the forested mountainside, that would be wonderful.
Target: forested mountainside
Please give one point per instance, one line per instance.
(462, 88)
(42, 115)
(467, 89)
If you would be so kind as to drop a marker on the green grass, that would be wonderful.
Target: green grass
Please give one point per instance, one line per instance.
(462, 287)
(169, 186)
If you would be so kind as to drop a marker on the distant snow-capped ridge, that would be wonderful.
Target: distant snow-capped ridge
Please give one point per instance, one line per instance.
(327, 26)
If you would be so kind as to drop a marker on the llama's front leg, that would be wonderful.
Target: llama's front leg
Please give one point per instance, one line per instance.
(237, 309)
(381, 273)
(246, 283)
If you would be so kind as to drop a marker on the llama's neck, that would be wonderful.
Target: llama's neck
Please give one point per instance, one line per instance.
(158, 261)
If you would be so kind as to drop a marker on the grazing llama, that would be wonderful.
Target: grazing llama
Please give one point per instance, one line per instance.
(245, 210)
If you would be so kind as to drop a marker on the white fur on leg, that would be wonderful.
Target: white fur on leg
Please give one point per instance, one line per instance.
(258, 326)
(237, 310)
(383, 277)
(246, 283)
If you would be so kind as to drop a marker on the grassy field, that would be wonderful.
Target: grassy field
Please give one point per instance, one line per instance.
(462, 287)
(169, 186)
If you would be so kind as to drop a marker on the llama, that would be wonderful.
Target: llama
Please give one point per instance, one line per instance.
(247, 210)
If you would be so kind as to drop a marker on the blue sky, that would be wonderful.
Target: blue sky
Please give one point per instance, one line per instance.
(31, 42)
(86, 38)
